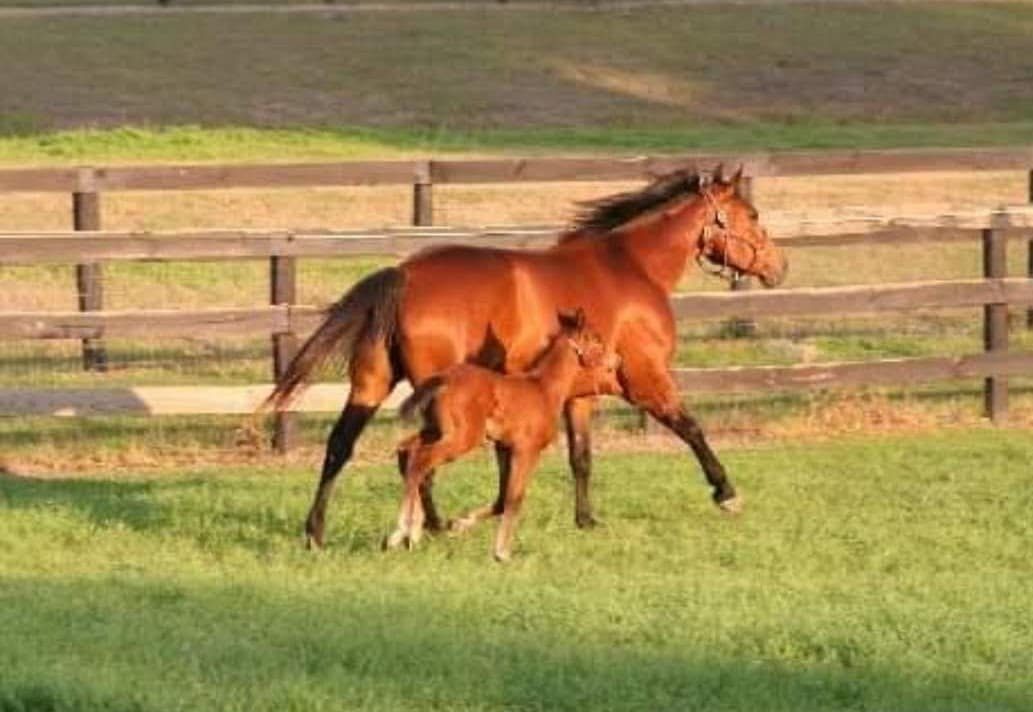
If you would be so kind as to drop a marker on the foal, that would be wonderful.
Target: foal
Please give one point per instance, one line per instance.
(467, 403)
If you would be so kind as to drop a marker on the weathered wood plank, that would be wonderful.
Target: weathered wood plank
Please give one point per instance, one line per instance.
(144, 323)
(199, 177)
(791, 231)
(329, 397)
(861, 299)
(39, 180)
(202, 177)
(840, 375)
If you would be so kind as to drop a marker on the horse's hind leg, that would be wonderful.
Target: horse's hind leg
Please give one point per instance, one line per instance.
(371, 381)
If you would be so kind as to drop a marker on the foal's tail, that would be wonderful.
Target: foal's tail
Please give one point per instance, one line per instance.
(369, 310)
(417, 403)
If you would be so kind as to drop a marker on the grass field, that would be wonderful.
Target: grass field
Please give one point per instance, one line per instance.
(799, 69)
(876, 573)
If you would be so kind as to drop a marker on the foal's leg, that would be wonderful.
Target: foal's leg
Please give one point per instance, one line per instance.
(503, 455)
(432, 522)
(578, 416)
(649, 385)
(524, 462)
(412, 455)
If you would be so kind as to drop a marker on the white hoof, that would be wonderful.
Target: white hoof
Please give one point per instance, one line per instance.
(733, 505)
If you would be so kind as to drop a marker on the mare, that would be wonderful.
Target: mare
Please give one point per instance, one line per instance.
(520, 412)
(619, 260)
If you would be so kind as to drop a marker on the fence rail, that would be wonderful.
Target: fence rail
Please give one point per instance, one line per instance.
(91, 179)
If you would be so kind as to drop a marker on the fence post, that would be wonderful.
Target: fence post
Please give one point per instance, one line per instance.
(89, 278)
(995, 323)
(736, 326)
(283, 290)
(1029, 247)
(423, 197)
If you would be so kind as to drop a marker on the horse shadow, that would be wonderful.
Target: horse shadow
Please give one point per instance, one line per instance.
(103, 502)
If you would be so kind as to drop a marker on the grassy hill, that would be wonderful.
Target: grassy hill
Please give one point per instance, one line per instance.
(648, 79)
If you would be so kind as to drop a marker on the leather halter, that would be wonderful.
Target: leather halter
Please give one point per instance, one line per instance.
(720, 224)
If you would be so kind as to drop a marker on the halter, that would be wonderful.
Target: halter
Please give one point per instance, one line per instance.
(725, 270)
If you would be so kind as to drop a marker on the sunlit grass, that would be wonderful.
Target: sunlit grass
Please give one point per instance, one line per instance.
(879, 573)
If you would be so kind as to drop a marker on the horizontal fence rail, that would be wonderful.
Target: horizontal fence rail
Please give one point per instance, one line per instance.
(262, 321)
(503, 170)
(789, 230)
(329, 397)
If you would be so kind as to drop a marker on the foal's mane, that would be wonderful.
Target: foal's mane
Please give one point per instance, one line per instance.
(613, 211)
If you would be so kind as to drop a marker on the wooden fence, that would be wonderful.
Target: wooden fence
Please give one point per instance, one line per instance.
(86, 184)
(284, 320)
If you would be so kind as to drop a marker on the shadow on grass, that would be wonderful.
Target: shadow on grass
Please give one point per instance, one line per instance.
(118, 646)
(258, 515)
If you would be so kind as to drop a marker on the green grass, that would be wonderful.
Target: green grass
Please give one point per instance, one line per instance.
(712, 76)
(241, 145)
(868, 574)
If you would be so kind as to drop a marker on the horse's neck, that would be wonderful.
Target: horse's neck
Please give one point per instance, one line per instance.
(556, 373)
(663, 246)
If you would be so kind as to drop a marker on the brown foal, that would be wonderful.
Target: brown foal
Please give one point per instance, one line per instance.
(468, 403)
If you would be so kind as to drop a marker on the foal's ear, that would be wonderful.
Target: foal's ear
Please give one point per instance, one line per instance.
(737, 178)
(572, 320)
(579, 318)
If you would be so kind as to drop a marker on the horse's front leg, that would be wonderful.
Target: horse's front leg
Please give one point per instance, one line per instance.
(648, 384)
(577, 415)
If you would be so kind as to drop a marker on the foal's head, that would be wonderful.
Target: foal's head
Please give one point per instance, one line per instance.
(597, 362)
(733, 238)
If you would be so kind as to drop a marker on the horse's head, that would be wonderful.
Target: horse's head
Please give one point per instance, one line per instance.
(732, 238)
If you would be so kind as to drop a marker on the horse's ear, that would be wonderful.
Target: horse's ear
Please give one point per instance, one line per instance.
(719, 173)
(737, 178)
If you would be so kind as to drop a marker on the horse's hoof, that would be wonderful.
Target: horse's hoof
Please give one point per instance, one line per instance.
(732, 505)
(501, 556)
(586, 521)
(313, 542)
(436, 526)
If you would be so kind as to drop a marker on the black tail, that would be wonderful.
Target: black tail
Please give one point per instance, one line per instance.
(369, 310)
(416, 403)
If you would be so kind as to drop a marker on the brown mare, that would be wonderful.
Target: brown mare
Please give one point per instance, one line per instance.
(519, 412)
(497, 308)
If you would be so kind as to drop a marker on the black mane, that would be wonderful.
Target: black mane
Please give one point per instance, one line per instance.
(609, 213)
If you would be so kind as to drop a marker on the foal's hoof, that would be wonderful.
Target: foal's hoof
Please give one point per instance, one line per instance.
(502, 556)
(398, 540)
(732, 505)
(461, 525)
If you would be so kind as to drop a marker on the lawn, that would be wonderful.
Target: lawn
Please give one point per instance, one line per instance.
(870, 573)
(857, 74)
